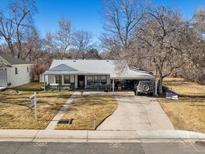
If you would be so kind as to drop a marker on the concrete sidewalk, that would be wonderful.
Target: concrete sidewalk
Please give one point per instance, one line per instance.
(98, 136)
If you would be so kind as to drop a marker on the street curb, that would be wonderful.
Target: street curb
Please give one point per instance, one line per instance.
(99, 136)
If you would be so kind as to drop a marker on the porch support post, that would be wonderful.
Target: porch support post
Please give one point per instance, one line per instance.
(113, 86)
(85, 81)
(62, 81)
(44, 79)
(76, 81)
(156, 86)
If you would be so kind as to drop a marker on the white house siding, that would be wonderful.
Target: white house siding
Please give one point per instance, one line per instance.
(22, 77)
(42, 78)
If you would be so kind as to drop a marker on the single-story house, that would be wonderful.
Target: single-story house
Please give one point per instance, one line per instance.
(13, 71)
(93, 74)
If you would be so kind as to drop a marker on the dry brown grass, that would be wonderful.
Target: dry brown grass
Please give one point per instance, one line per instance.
(32, 86)
(184, 88)
(188, 113)
(88, 112)
(17, 114)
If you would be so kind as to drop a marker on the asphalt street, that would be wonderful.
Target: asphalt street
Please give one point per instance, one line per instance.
(101, 148)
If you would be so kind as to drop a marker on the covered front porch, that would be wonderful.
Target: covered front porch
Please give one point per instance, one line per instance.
(76, 81)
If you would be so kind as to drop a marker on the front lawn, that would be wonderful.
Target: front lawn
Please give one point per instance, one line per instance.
(88, 112)
(17, 114)
(188, 113)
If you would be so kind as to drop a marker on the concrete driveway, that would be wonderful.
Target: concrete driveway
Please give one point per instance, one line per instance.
(137, 113)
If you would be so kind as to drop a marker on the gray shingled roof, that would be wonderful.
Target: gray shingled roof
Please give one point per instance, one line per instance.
(4, 63)
(109, 67)
(12, 60)
(62, 67)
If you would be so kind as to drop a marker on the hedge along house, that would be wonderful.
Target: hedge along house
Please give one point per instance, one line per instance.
(93, 74)
(13, 71)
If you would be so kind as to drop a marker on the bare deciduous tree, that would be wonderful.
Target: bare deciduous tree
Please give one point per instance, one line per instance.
(162, 38)
(122, 18)
(199, 20)
(63, 36)
(15, 23)
(33, 46)
(81, 41)
(49, 44)
(7, 32)
(93, 54)
(195, 48)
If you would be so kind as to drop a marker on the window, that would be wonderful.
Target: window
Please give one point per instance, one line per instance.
(58, 79)
(89, 80)
(27, 69)
(103, 79)
(16, 70)
(96, 79)
(66, 79)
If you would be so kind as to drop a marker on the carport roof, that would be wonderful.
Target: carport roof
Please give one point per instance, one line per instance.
(116, 69)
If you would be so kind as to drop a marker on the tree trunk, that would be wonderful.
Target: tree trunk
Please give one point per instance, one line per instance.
(160, 82)
(11, 48)
(160, 86)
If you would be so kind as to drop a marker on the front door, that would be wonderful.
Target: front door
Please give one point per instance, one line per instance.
(81, 81)
(59, 79)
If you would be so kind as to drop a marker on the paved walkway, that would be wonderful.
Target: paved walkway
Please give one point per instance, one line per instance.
(137, 113)
(60, 113)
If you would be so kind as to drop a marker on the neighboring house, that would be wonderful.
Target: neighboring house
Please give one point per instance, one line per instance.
(93, 74)
(13, 71)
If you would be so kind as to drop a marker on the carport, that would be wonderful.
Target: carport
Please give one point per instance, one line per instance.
(127, 80)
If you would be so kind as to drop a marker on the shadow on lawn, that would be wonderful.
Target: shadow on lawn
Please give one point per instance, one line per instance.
(175, 83)
(192, 96)
(54, 96)
(198, 105)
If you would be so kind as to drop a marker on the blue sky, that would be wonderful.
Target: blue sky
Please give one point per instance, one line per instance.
(84, 14)
(88, 15)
